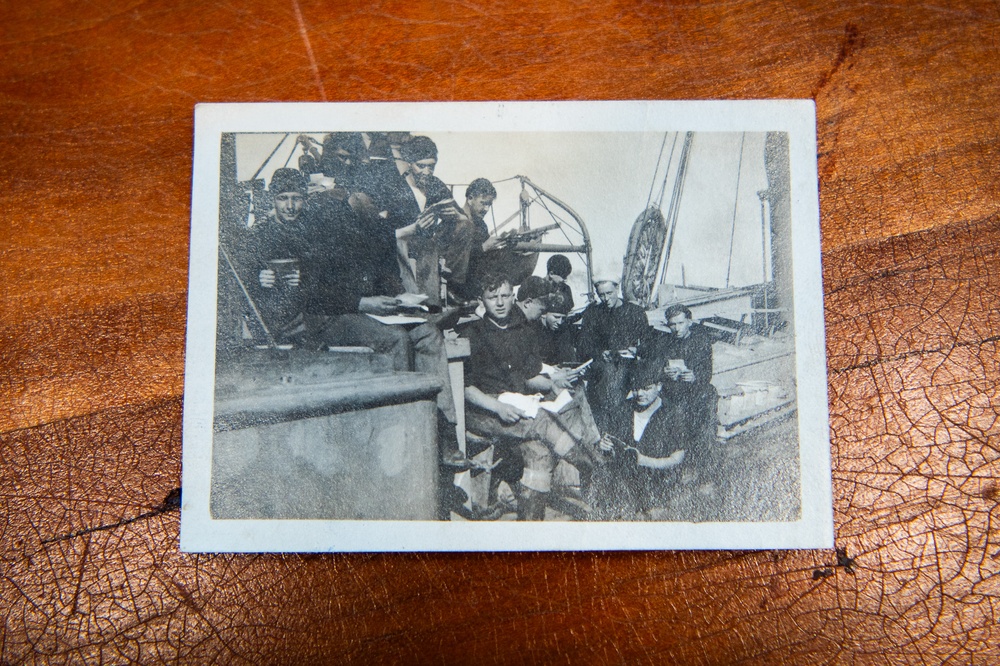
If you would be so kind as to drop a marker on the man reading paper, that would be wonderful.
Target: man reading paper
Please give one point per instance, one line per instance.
(506, 358)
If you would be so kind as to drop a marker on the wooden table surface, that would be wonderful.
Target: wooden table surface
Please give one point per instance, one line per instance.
(97, 103)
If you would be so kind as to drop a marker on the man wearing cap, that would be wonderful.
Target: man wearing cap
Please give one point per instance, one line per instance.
(648, 446)
(558, 269)
(610, 335)
(261, 270)
(429, 225)
(504, 359)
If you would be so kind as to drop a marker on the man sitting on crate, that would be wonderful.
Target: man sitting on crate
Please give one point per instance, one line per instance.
(505, 362)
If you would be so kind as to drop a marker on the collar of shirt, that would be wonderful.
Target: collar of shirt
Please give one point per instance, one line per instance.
(640, 419)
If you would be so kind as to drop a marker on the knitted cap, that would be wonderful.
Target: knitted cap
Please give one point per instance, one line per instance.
(418, 148)
(288, 180)
(559, 265)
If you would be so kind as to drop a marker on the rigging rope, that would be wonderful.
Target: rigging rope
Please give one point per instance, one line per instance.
(652, 181)
(675, 202)
(736, 203)
(246, 294)
(264, 164)
(294, 146)
(663, 187)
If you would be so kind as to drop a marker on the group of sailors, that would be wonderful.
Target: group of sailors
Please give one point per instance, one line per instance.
(363, 222)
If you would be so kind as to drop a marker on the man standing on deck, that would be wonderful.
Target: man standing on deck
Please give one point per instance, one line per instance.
(466, 269)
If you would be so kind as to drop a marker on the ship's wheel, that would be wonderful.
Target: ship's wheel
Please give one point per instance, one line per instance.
(645, 246)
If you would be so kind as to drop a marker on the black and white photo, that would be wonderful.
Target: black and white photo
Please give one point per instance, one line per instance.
(505, 326)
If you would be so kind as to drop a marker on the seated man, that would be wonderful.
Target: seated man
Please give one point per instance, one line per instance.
(649, 448)
(349, 274)
(505, 359)
(610, 334)
(533, 298)
(558, 339)
(685, 357)
(260, 299)
(558, 269)
(429, 224)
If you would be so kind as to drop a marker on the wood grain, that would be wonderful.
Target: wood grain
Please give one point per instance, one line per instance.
(97, 104)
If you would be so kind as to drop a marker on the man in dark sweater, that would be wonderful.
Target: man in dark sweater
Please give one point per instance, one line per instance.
(558, 269)
(353, 274)
(559, 336)
(685, 357)
(429, 224)
(610, 334)
(260, 294)
(649, 448)
(505, 359)
(468, 267)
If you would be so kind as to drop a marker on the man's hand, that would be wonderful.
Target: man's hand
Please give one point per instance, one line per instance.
(494, 243)
(426, 220)
(673, 374)
(508, 413)
(563, 379)
(378, 305)
(267, 278)
(687, 376)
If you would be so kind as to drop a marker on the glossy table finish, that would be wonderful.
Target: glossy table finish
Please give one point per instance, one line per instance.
(96, 101)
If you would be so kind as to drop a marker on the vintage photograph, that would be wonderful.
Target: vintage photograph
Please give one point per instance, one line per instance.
(517, 335)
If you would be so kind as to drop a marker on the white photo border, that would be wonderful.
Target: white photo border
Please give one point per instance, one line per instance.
(814, 528)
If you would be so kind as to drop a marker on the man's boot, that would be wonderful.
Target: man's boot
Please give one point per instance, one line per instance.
(451, 459)
(531, 504)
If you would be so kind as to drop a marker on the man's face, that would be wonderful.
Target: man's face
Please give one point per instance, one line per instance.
(553, 320)
(288, 206)
(646, 396)
(608, 293)
(422, 171)
(558, 279)
(680, 325)
(499, 301)
(533, 308)
(480, 205)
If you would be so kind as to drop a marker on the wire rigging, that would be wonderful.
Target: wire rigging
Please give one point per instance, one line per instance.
(294, 146)
(736, 203)
(663, 187)
(264, 163)
(652, 181)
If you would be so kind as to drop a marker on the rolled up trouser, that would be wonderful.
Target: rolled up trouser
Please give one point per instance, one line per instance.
(538, 466)
(542, 441)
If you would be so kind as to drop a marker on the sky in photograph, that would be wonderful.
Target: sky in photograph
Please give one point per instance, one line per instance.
(607, 178)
